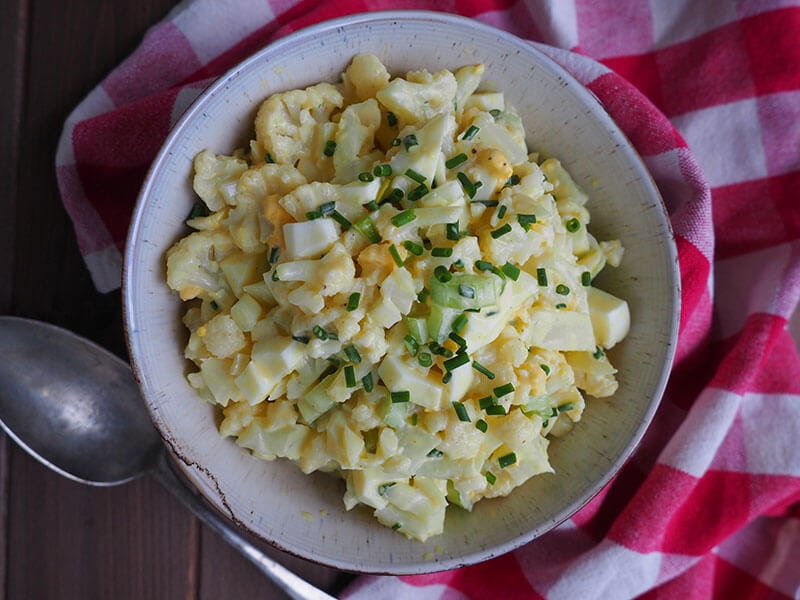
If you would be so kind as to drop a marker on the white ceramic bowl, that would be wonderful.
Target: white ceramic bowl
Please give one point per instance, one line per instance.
(304, 514)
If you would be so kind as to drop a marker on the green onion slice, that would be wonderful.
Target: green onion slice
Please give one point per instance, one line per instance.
(507, 460)
(455, 161)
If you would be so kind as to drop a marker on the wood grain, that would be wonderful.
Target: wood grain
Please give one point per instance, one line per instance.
(60, 539)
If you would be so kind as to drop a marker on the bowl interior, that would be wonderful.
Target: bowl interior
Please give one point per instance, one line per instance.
(304, 514)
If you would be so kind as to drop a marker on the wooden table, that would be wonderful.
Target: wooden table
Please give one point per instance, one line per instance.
(59, 539)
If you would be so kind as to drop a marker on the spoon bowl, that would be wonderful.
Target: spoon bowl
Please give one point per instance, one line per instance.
(75, 407)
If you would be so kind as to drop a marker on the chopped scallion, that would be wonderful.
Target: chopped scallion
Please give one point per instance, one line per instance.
(366, 381)
(411, 344)
(496, 410)
(491, 478)
(561, 305)
(459, 359)
(486, 402)
(435, 453)
(525, 221)
(404, 217)
(396, 142)
(461, 342)
(545, 368)
(319, 332)
(482, 425)
(341, 220)
(452, 231)
(413, 248)
(330, 148)
(366, 227)
(391, 119)
(483, 370)
(586, 278)
(573, 225)
(447, 377)
(541, 276)
(442, 274)
(598, 353)
(471, 132)
(455, 161)
(350, 376)
(459, 323)
(371, 206)
(366, 177)
(442, 252)
(425, 359)
(423, 295)
(418, 192)
(396, 255)
(512, 271)
(352, 301)
(383, 170)
(274, 254)
(566, 407)
(412, 174)
(410, 140)
(503, 389)
(313, 214)
(484, 265)
(303, 339)
(507, 460)
(501, 212)
(500, 231)
(352, 354)
(398, 397)
(461, 412)
(562, 290)
(513, 180)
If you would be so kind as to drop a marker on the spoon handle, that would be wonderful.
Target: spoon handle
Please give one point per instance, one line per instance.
(296, 587)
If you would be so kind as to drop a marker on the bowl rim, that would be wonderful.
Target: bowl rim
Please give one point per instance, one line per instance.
(602, 115)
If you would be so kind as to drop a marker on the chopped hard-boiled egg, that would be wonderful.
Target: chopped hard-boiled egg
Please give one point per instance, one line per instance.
(389, 285)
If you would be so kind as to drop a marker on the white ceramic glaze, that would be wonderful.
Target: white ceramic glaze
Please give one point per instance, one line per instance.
(304, 514)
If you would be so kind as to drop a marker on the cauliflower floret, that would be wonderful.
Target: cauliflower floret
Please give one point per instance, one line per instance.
(355, 140)
(286, 122)
(192, 264)
(215, 178)
(420, 97)
(365, 75)
(222, 336)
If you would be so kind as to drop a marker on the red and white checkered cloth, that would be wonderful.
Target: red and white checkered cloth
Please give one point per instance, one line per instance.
(709, 93)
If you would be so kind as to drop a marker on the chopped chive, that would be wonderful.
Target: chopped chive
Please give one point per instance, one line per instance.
(383, 488)
(352, 354)
(394, 196)
(490, 477)
(352, 301)
(320, 333)
(366, 381)
(396, 526)
(398, 397)
(573, 225)
(486, 203)
(561, 305)
(442, 274)
(513, 180)
(461, 412)
(330, 148)
(495, 112)
(525, 221)
(303, 339)
(459, 359)
(411, 344)
(462, 343)
(350, 376)
(383, 170)
(425, 359)
(413, 419)
(410, 140)
(275, 275)
(274, 254)
(598, 353)
(501, 212)
(413, 248)
(391, 119)
(562, 289)
(512, 271)
(442, 252)
(268, 158)
(545, 422)
(332, 335)
(541, 276)
(467, 291)
(435, 453)
(459, 323)
(366, 177)
(423, 295)
(503, 389)
(469, 187)
(496, 410)
(553, 412)
(586, 278)
(545, 368)
(313, 214)
(482, 425)
(484, 265)
(341, 220)
(396, 142)
(403, 217)
(483, 370)
(327, 208)
(501, 231)
(412, 174)
(452, 231)
(447, 377)
(396, 255)
(214, 305)
(455, 161)
(426, 243)
(418, 192)
(470, 133)
(440, 350)
(507, 460)
(566, 407)
(366, 227)
(486, 402)
(371, 206)
(198, 210)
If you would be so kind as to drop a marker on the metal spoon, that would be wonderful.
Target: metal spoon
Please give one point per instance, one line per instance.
(75, 407)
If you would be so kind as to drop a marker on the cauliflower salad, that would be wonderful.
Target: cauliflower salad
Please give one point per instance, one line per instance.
(387, 285)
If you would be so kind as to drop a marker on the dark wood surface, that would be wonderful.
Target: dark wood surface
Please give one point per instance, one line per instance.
(61, 539)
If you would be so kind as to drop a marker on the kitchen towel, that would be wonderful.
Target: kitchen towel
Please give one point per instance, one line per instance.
(709, 93)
